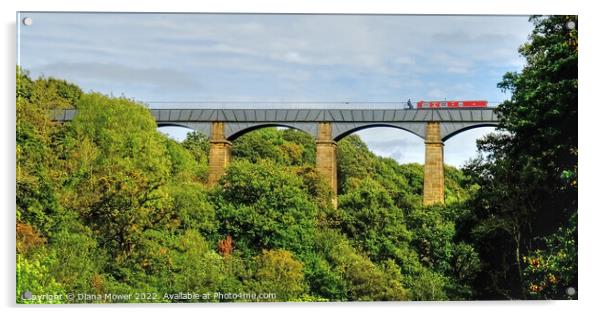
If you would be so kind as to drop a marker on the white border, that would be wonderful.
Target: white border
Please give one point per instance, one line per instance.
(589, 260)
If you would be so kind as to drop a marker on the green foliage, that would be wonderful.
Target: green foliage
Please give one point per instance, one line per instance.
(433, 238)
(265, 207)
(549, 272)
(323, 279)
(371, 219)
(33, 277)
(363, 280)
(118, 171)
(194, 210)
(306, 143)
(198, 145)
(288, 147)
(380, 211)
(279, 273)
(36, 137)
(77, 259)
(184, 165)
(456, 190)
(177, 263)
(354, 161)
(434, 231)
(527, 177)
(428, 286)
(91, 193)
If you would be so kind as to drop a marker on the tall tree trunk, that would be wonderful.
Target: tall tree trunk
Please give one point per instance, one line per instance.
(519, 268)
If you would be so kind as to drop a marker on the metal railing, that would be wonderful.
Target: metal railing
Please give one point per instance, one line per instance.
(284, 105)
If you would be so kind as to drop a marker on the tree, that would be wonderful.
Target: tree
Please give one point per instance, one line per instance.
(38, 142)
(278, 272)
(197, 144)
(527, 177)
(354, 161)
(363, 279)
(177, 263)
(550, 272)
(185, 167)
(370, 218)
(265, 207)
(118, 172)
(264, 143)
(435, 239)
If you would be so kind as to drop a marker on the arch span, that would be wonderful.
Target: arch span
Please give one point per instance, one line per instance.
(201, 127)
(159, 125)
(234, 131)
(176, 132)
(340, 131)
(455, 130)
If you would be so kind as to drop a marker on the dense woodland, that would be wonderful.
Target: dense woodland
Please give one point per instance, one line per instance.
(108, 204)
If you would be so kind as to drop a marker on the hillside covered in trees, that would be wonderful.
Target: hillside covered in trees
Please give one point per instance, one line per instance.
(107, 204)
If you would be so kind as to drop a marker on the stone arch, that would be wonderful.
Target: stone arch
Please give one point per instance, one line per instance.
(341, 130)
(235, 130)
(202, 127)
(450, 130)
(173, 125)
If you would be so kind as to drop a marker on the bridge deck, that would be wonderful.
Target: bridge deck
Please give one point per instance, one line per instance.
(312, 115)
(344, 121)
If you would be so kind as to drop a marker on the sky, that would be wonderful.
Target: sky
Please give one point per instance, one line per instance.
(171, 59)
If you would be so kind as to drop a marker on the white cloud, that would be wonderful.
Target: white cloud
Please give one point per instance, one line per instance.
(436, 94)
(121, 77)
(404, 60)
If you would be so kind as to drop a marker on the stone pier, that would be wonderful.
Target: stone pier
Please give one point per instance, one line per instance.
(326, 157)
(219, 153)
(433, 192)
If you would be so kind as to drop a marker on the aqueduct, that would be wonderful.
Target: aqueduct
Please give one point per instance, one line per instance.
(328, 123)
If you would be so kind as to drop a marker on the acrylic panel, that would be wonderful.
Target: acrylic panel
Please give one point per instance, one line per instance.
(204, 157)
